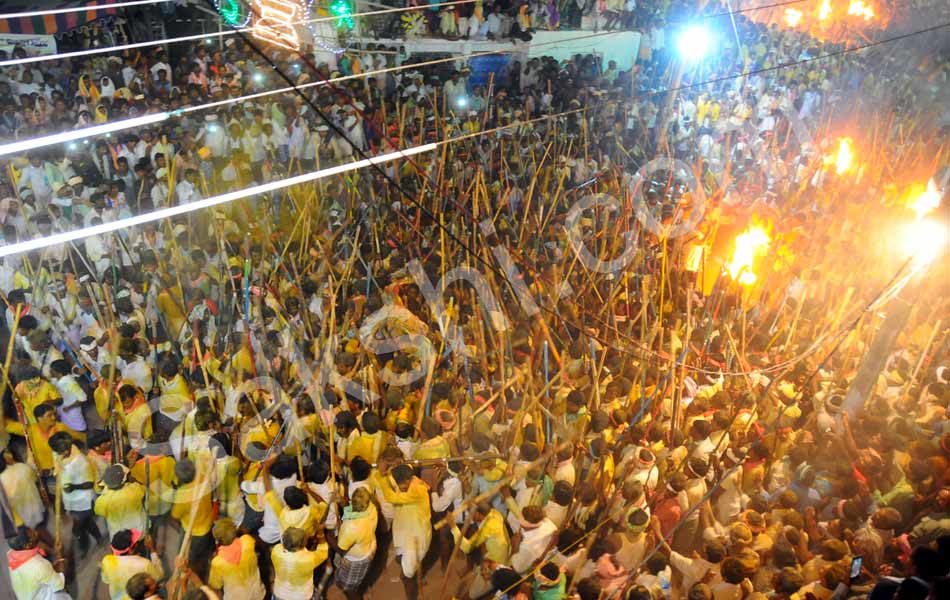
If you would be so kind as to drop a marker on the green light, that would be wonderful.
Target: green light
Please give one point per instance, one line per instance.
(342, 9)
(231, 13)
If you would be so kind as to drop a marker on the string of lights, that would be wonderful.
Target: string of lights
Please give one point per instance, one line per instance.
(206, 36)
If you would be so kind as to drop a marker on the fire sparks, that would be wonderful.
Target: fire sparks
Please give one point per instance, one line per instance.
(824, 10)
(793, 17)
(925, 201)
(750, 244)
(858, 8)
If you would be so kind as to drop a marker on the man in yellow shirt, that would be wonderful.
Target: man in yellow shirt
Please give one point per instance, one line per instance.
(119, 566)
(176, 398)
(121, 502)
(192, 508)
(136, 414)
(412, 523)
(33, 390)
(234, 566)
(491, 536)
(295, 510)
(356, 543)
(158, 477)
(43, 427)
(370, 442)
(101, 394)
(294, 565)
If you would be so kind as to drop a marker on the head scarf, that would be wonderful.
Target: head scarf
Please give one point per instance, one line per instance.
(17, 558)
(136, 536)
(108, 88)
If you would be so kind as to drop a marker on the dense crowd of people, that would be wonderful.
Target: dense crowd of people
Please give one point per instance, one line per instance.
(412, 369)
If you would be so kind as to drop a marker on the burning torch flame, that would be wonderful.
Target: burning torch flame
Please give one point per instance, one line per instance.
(793, 17)
(750, 244)
(844, 157)
(824, 10)
(858, 8)
(926, 201)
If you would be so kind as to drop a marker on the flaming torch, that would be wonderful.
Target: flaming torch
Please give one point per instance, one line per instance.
(845, 156)
(858, 8)
(793, 17)
(926, 201)
(750, 244)
(924, 239)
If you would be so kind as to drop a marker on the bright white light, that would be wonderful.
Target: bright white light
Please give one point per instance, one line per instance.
(924, 240)
(72, 146)
(694, 43)
(212, 128)
(78, 134)
(462, 102)
(174, 211)
(258, 77)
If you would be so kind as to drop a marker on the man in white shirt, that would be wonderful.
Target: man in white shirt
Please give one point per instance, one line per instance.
(31, 574)
(537, 533)
(70, 411)
(78, 474)
(186, 191)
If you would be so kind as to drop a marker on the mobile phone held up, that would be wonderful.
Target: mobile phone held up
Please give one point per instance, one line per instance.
(856, 567)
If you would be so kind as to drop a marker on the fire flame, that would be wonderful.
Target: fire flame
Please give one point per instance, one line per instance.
(824, 10)
(793, 17)
(750, 244)
(858, 8)
(926, 201)
(845, 156)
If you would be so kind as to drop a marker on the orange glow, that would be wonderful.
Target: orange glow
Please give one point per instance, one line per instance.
(750, 244)
(824, 10)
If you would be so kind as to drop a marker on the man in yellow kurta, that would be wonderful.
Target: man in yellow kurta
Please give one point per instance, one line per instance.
(121, 502)
(191, 507)
(356, 543)
(32, 391)
(119, 566)
(294, 565)
(370, 441)
(101, 395)
(295, 510)
(136, 414)
(234, 567)
(412, 524)
(158, 478)
(43, 427)
(492, 535)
